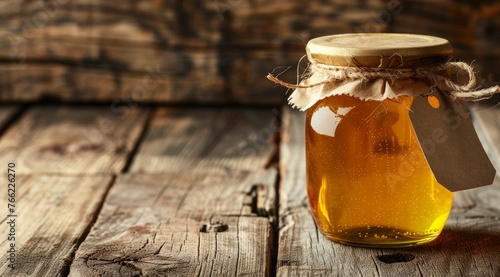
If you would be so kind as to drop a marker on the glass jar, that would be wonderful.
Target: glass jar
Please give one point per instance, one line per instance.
(368, 181)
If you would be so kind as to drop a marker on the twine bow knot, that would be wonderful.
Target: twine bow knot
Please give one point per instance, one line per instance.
(439, 76)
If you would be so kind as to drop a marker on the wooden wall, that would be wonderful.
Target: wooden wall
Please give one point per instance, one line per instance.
(212, 51)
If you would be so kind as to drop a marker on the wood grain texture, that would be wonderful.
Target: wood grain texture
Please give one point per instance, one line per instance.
(255, 23)
(220, 140)
(468, 245)
(122, 58)
(486, 120)
(53, 214)
(149, 22)
(470, 26)
(73, 140)
(208, 212)
(204, 77)
(184, 224)
(230, 44)
(68, 83)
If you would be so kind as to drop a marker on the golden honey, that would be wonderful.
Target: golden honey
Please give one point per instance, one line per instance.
(367, 178)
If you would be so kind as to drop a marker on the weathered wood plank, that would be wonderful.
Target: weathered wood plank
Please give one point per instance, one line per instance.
(104, 33)
(468, 245)
(207, 213)
(207, 139)
(53, 215)
(470, 28)
(174, 61)
(185, 224)
(487, 123)
(254, 23)
(232, 77)
(113, 43)
(150, 22)
(28, 83)
(73, 140)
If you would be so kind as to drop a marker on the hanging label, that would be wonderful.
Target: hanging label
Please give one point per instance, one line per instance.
(450, 143)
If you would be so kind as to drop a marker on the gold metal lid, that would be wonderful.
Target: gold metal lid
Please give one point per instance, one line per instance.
(379, 50)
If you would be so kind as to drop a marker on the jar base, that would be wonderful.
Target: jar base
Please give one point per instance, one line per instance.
(380, 237)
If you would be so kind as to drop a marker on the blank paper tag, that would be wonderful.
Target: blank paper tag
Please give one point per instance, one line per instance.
(450, 143)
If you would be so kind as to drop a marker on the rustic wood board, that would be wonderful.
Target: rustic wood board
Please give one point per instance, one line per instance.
(468, 245)
(73, 140)
(54, 213)
(174, 62)
(25, 82)
(185, 224)
(208, 139)
(253, 23)
(487, 123)
(99, 51)
(470, 29)
(242, 81)
(149, 22)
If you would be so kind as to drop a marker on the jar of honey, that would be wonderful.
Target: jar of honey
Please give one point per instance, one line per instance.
(368, 181)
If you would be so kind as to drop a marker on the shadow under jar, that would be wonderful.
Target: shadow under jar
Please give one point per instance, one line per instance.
(368, 181)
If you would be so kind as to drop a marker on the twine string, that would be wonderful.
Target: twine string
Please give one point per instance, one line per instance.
(438, 76)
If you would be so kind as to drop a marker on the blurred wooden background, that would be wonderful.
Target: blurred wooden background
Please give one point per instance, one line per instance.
(212, 51)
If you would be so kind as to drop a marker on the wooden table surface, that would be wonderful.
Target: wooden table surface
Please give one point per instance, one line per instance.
(163, 191)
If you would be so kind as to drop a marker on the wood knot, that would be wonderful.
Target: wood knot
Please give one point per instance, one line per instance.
(139, 230)
(216, 227)
(396, 258)
(285, 262)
